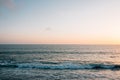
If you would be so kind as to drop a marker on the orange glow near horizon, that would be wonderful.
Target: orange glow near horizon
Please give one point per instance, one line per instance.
(59, 40)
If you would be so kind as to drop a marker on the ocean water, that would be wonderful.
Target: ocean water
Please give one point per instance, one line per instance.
(59, 62)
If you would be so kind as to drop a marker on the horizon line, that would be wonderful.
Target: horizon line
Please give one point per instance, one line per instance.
(51, 44)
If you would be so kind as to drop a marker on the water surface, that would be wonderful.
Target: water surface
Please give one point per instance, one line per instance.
(59, 62)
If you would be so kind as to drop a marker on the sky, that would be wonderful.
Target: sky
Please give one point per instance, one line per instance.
(59, 21)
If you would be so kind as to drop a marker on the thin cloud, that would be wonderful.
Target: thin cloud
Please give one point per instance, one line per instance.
(10, 4)
(48, 29)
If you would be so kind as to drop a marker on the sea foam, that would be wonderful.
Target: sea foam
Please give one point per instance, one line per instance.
(61, 66)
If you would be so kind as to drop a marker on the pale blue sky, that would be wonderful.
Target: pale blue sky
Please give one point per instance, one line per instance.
(60, 21)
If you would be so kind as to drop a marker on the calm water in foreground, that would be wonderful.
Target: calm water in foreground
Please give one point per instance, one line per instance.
(59, 62)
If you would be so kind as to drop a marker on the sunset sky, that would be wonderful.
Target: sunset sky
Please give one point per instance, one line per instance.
(60, 21)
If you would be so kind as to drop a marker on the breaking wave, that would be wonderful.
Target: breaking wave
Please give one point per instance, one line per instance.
(61, 66)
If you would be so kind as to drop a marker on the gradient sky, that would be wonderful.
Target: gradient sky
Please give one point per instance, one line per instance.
(60, 21)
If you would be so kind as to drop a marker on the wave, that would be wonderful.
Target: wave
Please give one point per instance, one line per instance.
(54, 52)
(30, 52)
(61, 66)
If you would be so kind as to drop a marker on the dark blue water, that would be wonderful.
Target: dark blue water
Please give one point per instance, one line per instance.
(62, 62)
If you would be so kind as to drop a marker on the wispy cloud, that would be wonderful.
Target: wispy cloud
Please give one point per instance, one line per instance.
(10, 4)
(48, 29)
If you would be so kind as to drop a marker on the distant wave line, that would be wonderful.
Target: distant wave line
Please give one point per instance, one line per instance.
(71, 52)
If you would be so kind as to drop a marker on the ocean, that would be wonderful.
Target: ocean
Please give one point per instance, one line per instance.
(59, 62)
